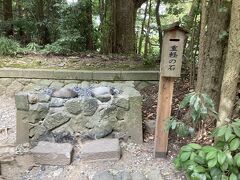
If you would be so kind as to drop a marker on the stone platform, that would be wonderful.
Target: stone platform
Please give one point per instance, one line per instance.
(89, 109)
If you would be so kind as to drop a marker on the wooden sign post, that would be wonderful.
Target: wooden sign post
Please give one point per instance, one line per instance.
(170, 69)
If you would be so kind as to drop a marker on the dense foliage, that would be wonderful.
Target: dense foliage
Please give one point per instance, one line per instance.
(221, 161)
(60, 27)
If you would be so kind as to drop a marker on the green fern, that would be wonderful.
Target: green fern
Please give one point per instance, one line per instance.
(9, 46)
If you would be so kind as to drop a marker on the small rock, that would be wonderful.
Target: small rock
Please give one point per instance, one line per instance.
(38, 112)
(120, 113)
(85, 84)
(54, 120)
(99, 132)
(64, 93)
(32, 98)
(98, 91)
(45, 83)
(121, 102)
(57, 85)
(57, 102)
(47, 153)
(150, 126)
(90, 106)
(105, 175)
(71, 86)
(104, 98)
(74, 106)
(43, 97)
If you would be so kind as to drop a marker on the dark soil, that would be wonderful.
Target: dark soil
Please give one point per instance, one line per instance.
(181, 88)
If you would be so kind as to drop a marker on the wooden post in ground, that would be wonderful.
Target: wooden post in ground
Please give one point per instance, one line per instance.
(163, 113)
(171, 62)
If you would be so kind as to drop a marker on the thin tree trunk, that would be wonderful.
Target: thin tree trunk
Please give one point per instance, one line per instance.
(89, 43)
(160, 36)
(232, 66)
(142, 30)
(8, 17)
(192, 59)
(191, 42)
(202, 46)
(43, 32)
(147, 37)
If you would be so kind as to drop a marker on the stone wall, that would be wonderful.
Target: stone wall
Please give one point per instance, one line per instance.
(11, 86)
(109, 107)
(13, 81)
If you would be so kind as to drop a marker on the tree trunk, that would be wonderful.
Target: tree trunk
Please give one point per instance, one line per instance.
(147, 37)
(124, 34)
(142, 30)
(232, 67)
(8, 17)
(202, 46)
(43, 32)
(121, 26)
(89, 40)
(160, 36)
(106, 26)
(211, 72)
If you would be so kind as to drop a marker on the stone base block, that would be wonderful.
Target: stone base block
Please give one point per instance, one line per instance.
(101, 150)
(52, 153)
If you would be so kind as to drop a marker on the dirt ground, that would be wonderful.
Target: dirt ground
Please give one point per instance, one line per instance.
(84, 61)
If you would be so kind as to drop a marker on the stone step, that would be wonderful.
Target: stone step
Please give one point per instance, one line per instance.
(101, 150)
(47, 153)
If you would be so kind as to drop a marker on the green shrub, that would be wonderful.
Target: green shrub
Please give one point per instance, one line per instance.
(65, 45)
(9, 46)
(33, 47)
(180, 128)
(200, 107)
(221, 161)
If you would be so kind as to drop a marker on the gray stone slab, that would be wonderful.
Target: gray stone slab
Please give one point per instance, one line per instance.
(134, 116)
(55, 154)
(22, 134)
(80, 75)
(107, 75)
(139, 75)
(38, 73)
(73, 75)
(11, 72)
(101, 150)
(21, 101)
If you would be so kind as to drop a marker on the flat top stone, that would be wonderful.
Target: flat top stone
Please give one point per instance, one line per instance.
(64, 93)
(56, 148)
(101, 145)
